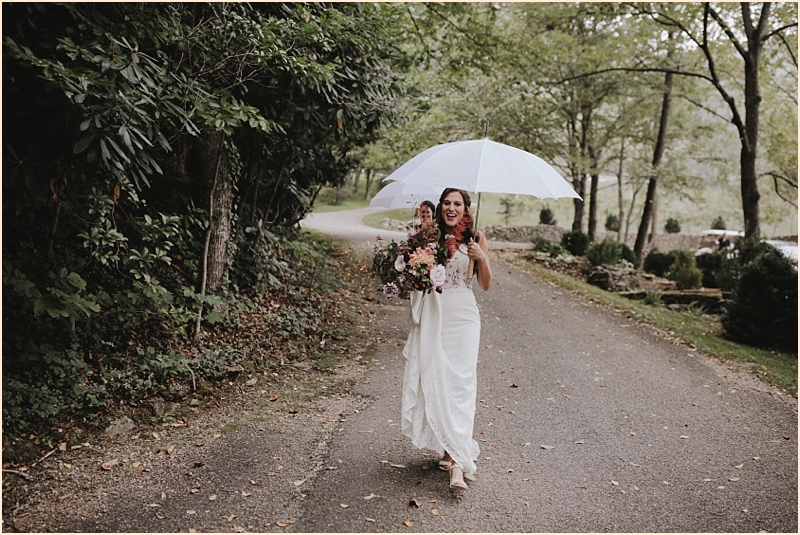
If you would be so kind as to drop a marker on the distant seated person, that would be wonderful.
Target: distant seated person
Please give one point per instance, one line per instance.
(425, 213)
(723, 242)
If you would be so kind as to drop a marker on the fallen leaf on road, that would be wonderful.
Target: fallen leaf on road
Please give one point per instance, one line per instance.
(371, 495)
(160, 516)
(267, 524)
(194, 491)
(190, 511)
(190, 530)
(64, 497)
(579, 442)
(331, 468)
(756, 458)
(509, 471)
(163, 495)
(67, 465)
(292, 411)
(684, 437)
(397, 465)
(431, 501)
(526, 479)
(299, 482)
(238, 529)
(62, 446)
(212, 497)
(707, 479)
(384, 462)
(734, 479)
(105, 467)
(137, 464)
(739, 466)
(615, 483)
(198, 464)
(230, 518)
(666, 482)
(721, 487)
(343, 505)
(514, 385)
(786, 437)
(153, 505)
(284, 524)
(274, 398)
(413, 502)
(408, 522)
(546, 447)
(370, 519)
(246, 494)
(253, 482)
(435, 512)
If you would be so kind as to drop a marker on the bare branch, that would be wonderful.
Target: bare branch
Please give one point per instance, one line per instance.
(699, 105)
(745, 9)
(636, 69)
(775, 178)
(778, 32)
(459, 30)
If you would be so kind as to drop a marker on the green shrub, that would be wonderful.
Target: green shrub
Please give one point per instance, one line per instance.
(629, 255)
(672, 226)
(684, 270)
(576, 242)
(651, 298)
(612, 223)
(553, 249)
(718, 223)
(546, 217)
(658, 263)
(608, 252)
(763, 310)
(710, 264)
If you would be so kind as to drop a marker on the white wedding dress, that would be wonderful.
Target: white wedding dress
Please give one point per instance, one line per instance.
(440, 381)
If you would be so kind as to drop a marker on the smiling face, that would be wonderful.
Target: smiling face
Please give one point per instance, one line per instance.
(425, 214)
(453, 209)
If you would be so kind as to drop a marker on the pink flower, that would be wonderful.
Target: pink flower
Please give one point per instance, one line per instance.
(438, 275)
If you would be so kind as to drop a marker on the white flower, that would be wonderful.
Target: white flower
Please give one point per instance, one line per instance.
(400, 263)
(438, 275)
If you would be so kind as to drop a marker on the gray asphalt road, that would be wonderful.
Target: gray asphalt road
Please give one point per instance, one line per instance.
(587, 421)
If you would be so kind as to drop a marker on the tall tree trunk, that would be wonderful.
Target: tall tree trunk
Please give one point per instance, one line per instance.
(370, 176)
(653, 224)
(356, 178)
(630, 210)
(215, 171)
(579, 184)
(658, 152)
(595, 179)
(621, 213)
(752, 103)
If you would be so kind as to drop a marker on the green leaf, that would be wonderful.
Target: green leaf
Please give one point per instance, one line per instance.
(85, 141)
(75, 280)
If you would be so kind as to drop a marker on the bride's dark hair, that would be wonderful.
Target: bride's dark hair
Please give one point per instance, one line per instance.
(469, 232)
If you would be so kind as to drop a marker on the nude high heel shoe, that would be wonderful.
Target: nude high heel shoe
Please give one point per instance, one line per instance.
(457, 477)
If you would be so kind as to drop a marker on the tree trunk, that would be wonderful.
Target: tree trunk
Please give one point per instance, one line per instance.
(653, 224)
(621, 213)
(579, 184)
(752, 103)
(658, 152)
(215, 172)
(370, 176)
(356, 179)
(595, 179)
(630, 211)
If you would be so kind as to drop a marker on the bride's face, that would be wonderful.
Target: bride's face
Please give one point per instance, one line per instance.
(453, 209)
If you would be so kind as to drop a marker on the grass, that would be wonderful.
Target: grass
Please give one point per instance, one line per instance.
(374, 220)
(699, 331)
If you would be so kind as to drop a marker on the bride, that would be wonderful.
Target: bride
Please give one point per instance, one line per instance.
(440, 381)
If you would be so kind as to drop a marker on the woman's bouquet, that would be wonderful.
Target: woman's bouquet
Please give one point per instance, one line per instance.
(413, 264)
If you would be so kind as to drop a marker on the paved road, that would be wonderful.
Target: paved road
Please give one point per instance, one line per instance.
(587, 421)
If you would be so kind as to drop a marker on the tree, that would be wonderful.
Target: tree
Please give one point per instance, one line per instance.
(702, 26)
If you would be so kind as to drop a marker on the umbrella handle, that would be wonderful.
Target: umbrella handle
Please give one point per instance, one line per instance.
(471, 265)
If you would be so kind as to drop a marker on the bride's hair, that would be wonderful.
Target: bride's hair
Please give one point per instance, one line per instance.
(469, 232)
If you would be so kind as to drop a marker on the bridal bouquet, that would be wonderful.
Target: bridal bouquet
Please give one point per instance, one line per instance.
(413, 264)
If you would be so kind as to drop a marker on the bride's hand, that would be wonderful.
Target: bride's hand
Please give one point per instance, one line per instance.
(474, 251)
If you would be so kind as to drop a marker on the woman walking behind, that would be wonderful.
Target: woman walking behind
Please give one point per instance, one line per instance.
(440, 380)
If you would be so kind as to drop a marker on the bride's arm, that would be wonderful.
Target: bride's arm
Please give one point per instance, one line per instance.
(480, 253)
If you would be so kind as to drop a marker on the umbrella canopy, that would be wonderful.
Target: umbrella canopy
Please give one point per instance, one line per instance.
(483, 165)
(402, 195)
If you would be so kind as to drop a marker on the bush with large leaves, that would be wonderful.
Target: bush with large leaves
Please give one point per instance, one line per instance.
(154, 153)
